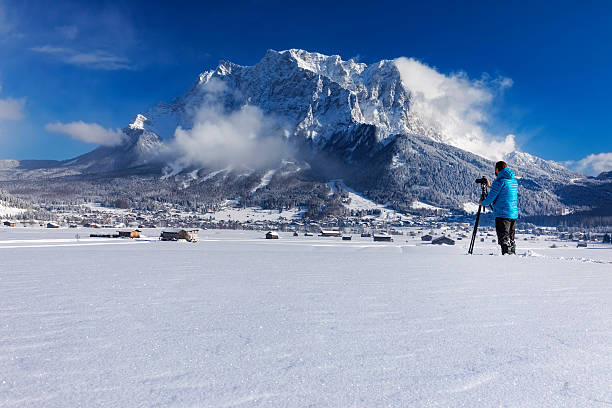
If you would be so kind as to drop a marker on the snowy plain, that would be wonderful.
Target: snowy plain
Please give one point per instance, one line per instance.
(235, 320)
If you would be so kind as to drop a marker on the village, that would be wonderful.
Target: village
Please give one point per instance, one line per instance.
(375, 223)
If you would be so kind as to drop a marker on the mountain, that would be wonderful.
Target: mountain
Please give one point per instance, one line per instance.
(335, 119)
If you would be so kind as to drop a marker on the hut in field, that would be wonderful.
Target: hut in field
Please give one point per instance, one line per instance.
(382, 238)
(443, 240)
(52, 225)
(169, 235)
(272, 235)
(426, 237)
(190, 235)
(129, 234)
(330, 233)
(9, 223)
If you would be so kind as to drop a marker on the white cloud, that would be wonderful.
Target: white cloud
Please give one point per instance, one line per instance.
(456, 107)
(219, 138)
(593, 164)
(96, 59)
(244, 137)
(88, 132)
(11, 109)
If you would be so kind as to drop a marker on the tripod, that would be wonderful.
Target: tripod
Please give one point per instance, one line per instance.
(483, 195)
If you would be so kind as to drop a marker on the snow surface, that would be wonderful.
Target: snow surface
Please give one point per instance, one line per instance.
(231, 213)
(470, 208)
(420, 205)
(237, 320)
(265, 180)
(360, 202)
(6, 211)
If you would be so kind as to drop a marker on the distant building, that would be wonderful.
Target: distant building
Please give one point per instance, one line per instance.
(382, 238)
(581, 244)
(272, 235)
(9, 223)
(330, 233)
(129, 234)
(426, 237)
(443, 240)
(176, 234)
(190, 235)
(52, 225)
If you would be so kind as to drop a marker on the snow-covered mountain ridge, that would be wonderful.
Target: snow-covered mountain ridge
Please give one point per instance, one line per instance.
(317, 95)
(336, 119)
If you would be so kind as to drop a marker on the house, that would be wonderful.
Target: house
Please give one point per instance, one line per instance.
(176, 234)
(382, 238)
(9, 223)
(330, 233)
(272, 235)
(581, 244)
(346, 238)
(102, 236)
(443, 240)
(190, 235)
(426, 237)
(129, 234)
(170, 235)
(52, 225)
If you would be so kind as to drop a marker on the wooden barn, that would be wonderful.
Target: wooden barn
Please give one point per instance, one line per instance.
(382, 238)
(170, 235)
(129, 234)
(190, 235)
(175, 234)
(443, 240)
(272, 235)
(330, 233)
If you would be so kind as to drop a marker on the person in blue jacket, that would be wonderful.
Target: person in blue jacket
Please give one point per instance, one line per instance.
(504, 198)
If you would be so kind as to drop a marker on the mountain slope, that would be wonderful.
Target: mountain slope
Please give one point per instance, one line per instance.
(336, 120)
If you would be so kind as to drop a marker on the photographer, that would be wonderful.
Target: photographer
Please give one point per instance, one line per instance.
(503, 197)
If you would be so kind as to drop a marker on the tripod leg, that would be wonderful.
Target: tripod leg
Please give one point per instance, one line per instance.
(475, 230)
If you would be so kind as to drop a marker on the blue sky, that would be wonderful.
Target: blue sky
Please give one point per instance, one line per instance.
(104, 62)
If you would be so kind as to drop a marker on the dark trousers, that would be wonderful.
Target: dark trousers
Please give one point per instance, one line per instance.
(505, 235)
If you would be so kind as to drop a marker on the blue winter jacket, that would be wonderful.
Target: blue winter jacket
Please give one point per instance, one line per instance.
(503, 195)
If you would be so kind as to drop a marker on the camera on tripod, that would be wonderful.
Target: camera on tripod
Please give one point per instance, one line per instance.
(484, 184)
(483, 180)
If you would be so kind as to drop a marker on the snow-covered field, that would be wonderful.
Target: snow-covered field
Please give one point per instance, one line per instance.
(238, 321)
